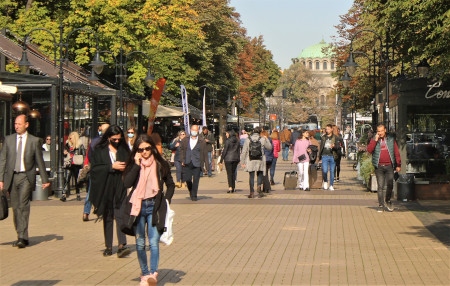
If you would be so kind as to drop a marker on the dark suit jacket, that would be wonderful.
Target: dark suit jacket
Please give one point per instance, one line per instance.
(185, 145)
(32, 159)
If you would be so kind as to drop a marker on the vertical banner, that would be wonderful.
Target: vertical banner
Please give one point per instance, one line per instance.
(204, 123)
(184, 103)
(154, 102)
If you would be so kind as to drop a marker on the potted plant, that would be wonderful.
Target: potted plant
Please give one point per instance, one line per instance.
(366, 168)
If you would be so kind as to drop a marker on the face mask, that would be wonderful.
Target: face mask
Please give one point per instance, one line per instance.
(130, 135)
(99, 133)
(115, 144)
(194, 133)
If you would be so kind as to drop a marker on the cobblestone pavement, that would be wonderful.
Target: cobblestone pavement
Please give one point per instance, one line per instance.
(290, 237)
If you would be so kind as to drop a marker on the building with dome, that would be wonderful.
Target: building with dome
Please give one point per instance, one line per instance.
(319, 59)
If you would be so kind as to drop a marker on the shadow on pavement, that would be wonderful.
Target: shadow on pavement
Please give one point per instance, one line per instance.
(170, 276)
(39, 239)
(439, 228)
(36, 282)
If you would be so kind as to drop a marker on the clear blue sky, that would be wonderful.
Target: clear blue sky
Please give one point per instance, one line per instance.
(289, 26)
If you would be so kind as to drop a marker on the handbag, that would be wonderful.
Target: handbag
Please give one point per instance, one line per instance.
(129, 222)
(301, 157)
(78, 159)
(3, 205)
(167, 236)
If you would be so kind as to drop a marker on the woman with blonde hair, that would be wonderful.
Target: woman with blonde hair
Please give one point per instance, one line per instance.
(73, 147)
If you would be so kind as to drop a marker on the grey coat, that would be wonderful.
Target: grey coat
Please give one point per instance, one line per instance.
(255, 165)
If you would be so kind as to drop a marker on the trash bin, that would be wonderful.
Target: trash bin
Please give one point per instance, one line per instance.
(405, 187)
(39, 194)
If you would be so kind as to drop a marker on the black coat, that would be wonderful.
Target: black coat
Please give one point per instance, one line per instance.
(106, 183)
(231, 150)
(131, 179)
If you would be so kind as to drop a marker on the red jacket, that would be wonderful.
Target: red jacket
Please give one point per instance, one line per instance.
(276, 147)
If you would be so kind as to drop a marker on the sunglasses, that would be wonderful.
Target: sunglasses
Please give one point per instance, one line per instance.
(48, 139)
(148, 148)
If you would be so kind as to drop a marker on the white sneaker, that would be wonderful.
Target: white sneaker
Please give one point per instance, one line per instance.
(325, 185)
(331, 188)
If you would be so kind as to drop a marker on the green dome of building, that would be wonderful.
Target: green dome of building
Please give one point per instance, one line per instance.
(315, 51)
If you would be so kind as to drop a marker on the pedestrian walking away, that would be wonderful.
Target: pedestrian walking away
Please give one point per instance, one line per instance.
(285, 139)
(87, 162)
(328, 148)
(192, 156)
(21, 154)
(230, 155)
(386, 159)
(253, 160)
(276, 149)
(107, 190)
(147, 172)
(269, 158)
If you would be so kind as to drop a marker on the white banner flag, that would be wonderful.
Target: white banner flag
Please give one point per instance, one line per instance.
(184, 102)
(204, 108)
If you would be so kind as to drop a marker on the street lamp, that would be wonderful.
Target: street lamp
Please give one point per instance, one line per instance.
(24, 65)
(351, 67)
(121, 72)
(422, 68)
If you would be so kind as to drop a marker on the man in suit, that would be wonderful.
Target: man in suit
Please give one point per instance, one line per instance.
(19, 158)
(193, 154)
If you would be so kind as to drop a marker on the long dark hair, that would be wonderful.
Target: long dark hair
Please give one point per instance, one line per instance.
(111, 131)
(159, 159)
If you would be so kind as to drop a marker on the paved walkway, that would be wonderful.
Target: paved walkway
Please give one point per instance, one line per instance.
(288, 238)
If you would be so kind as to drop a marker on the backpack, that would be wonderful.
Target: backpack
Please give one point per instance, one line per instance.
(255, 150)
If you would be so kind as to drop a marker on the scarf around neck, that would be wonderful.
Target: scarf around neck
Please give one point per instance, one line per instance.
(148, 183)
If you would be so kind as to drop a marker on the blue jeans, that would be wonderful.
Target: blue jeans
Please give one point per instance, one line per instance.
(328, 164)
(272, 168)
(145, 218)
(87, 203)
(209, 163)
(285, 151)
(179, 171)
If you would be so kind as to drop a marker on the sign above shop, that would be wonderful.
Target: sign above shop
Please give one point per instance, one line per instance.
(438, 94)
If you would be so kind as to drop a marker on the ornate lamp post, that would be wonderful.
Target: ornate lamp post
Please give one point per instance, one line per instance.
(383, 61)
(24, 65)
(121, 73)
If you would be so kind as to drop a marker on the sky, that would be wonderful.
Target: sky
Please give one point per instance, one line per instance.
(289, 26)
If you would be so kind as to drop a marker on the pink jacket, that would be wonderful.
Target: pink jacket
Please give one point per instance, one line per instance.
(276, 147)
(300, 148)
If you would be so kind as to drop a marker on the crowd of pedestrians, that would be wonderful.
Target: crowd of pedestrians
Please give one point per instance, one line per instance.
(120, 170)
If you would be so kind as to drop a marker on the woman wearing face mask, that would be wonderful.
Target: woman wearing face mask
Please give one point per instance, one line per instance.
(147, 172)
(131, 137)
(107, 190)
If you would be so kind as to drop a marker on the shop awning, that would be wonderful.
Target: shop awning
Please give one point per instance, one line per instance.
(169, 111)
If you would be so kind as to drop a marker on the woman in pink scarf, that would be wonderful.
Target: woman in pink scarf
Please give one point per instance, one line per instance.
(147, 172)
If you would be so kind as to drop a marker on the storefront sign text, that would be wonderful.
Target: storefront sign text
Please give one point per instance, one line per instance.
(441, 94)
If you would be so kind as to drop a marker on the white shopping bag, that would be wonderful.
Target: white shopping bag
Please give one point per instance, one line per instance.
(167, 236)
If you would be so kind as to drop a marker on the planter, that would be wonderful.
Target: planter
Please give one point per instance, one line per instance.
(373, 185)
(425, 190)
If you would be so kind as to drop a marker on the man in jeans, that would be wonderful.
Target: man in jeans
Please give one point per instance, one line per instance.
(285, 138)
(328, 147)
(385, 158)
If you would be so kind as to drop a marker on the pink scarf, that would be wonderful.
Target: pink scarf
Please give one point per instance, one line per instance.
(147, 186)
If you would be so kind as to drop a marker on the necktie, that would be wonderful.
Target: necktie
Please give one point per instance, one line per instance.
(18, 155)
